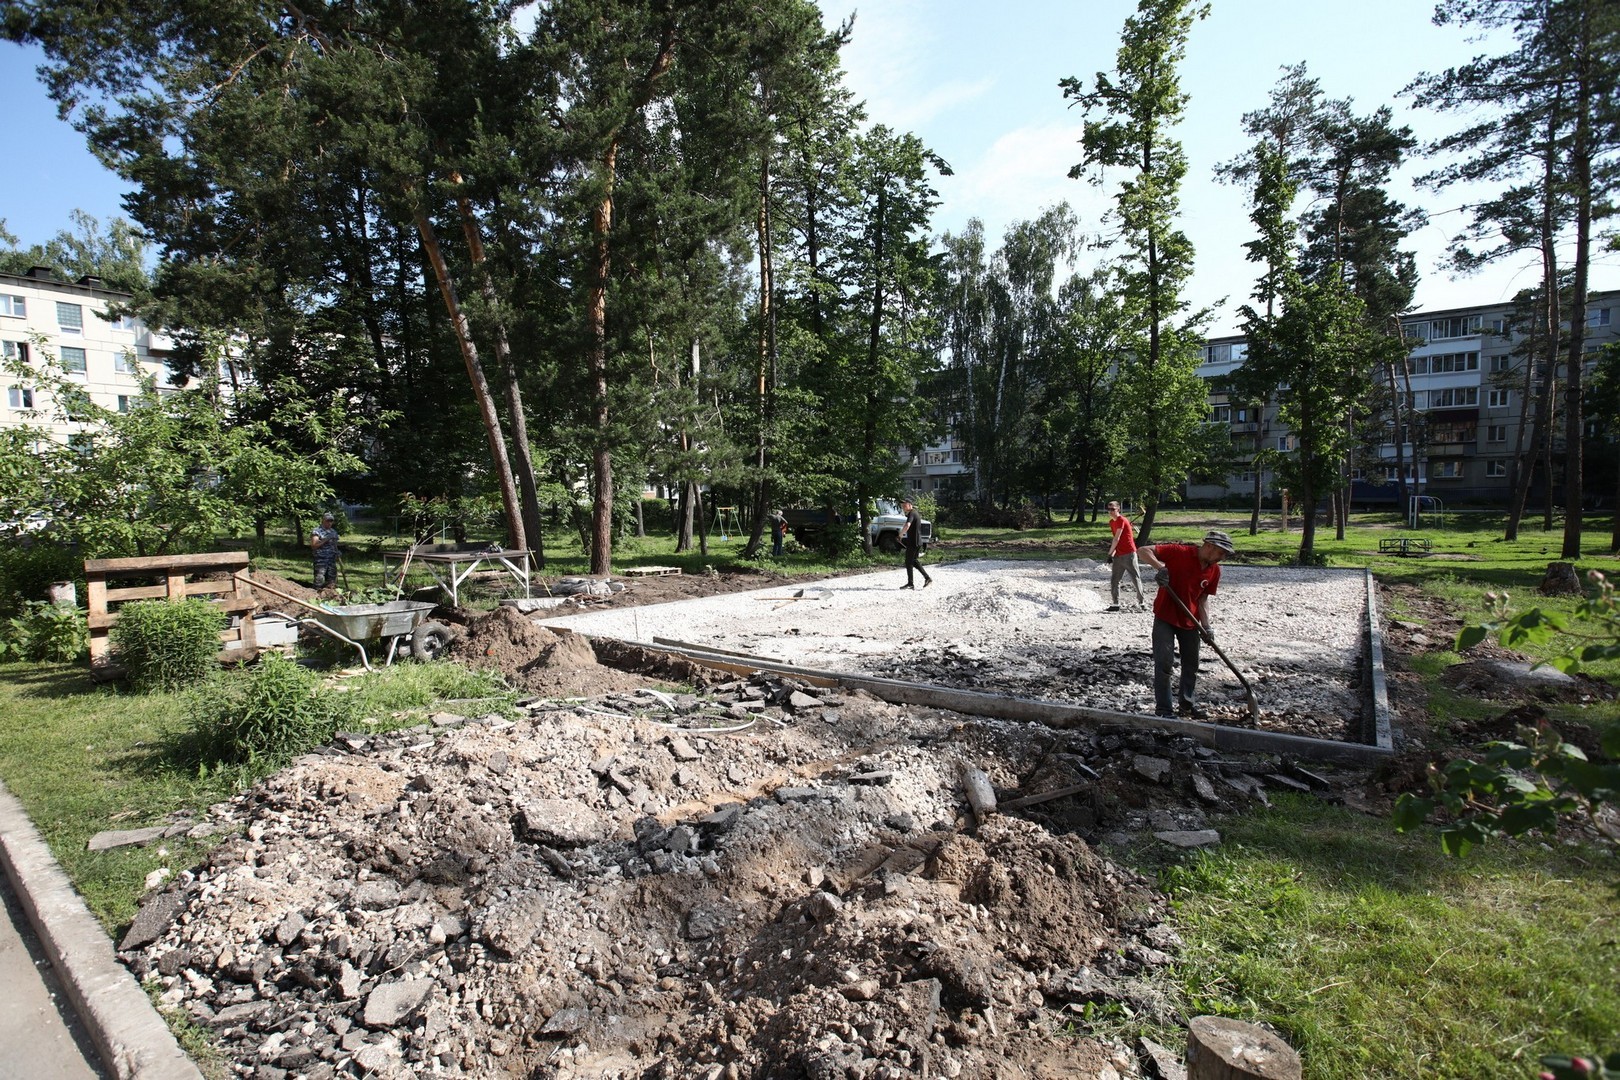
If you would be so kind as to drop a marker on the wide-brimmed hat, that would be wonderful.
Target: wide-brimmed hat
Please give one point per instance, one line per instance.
(1217, 538)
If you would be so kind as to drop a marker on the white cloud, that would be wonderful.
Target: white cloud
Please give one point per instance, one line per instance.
(1023, 172)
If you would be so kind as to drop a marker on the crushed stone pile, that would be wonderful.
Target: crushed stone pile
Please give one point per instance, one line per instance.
(1042, 629)
(765, 880)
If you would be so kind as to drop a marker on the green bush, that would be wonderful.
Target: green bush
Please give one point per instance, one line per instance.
(46, 632)
(27, 568)
(164, 645)
(263, 717)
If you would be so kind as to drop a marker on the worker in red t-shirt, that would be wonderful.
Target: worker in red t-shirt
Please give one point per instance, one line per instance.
(1192, 573)
(1122, 556)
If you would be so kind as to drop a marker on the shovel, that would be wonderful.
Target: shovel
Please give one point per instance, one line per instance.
(1248, 691)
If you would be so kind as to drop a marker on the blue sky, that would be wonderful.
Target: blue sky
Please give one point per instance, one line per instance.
(978, 82)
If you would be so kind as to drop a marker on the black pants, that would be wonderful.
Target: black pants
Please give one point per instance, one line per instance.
(912, 563)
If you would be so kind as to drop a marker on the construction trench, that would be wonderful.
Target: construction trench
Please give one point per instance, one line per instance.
(775, 871)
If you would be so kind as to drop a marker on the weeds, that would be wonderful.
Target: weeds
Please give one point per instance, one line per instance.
(263, 719)
(164, 645)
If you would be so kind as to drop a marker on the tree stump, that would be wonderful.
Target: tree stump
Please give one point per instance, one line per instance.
(1561, 578)
(1222, 1049)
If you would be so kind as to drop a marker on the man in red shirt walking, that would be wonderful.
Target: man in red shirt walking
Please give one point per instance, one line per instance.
(1191, 572)
(1122, 555)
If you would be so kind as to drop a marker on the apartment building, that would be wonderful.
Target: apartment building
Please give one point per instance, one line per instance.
(69, 320)
(1460, 395)
(1461, 398)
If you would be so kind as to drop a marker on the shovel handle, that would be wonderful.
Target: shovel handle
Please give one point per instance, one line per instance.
(242, 575)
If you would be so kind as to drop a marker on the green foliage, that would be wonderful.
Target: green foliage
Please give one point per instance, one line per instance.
(264, 717)
(174, 472)
(27, 568)
(1539, 780)
(165, 645)
(46, 632)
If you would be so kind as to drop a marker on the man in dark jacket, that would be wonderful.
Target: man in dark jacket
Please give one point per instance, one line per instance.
(911, 540)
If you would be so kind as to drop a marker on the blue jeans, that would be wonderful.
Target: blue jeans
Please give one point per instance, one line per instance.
(1166, 641)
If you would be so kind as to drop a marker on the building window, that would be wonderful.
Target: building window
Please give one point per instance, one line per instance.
(1445, 470)
(123, 403)
(1220, 414)
(1496, 433)
(15, 350)
(70, 317)
(1285, 442)
(81, 443)
(125, 364)
(73, 359)
(20, 397)
(1499, 327)
(1496, 468)
(1453, 397)
(14, 306)
(1498, 399)
(1217, 354)
(1501, 363)
(1598, 317)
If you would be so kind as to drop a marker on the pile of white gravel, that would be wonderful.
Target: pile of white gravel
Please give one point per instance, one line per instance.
(1041, 629)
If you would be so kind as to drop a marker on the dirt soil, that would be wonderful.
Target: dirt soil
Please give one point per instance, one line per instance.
(740, 880)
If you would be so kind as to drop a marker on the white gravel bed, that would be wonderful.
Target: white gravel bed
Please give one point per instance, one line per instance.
(1040, 629)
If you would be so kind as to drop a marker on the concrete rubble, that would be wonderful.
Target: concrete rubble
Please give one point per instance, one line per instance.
(763, 879)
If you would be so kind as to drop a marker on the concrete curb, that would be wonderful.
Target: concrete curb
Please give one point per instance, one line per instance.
(1053, 713)
(1383, 715)
(129, 1035)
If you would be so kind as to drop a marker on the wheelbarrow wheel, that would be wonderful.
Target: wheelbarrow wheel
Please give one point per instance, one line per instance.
(429, 641)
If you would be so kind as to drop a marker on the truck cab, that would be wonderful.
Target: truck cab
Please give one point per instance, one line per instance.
(886, 525)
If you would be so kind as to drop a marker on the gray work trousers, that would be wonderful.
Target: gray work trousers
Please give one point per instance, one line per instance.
(1166, 640)
(1123, 565)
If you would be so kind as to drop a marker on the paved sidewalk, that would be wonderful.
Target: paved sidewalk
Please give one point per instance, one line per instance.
(40, 1037)
(129, 1037)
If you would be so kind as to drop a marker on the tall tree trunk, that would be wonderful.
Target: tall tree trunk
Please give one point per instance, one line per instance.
(524, 462)
(766, 367)
(873, 354)
(475, 372)
(1580, 160)
(601, 545)
(522, 458)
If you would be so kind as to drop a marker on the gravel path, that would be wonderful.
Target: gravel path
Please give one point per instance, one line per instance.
(1041, 629)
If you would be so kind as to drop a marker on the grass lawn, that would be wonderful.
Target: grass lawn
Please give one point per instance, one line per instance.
(1373, 953)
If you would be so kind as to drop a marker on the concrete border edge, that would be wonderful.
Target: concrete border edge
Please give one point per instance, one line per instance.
(133, 1041)
(1383, 715)
(1055, 714)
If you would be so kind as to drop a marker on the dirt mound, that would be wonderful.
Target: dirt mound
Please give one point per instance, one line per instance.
(533, 658)
(579, 895)
(270, 602)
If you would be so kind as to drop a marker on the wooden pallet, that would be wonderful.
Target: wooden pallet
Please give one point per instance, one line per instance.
(213, 576)
(651, 571)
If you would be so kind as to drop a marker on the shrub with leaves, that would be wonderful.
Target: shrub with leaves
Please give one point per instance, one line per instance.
(1539, 780)
(27, 568)
(47, 632)
(263, 717)
(164, 645)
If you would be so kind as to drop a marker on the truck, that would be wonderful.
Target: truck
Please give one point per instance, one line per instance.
(808, 523)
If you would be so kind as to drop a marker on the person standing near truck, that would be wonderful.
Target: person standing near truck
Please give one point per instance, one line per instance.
(779, 528)
(1192, 573)
(324, 542)
(911, 540)
(1122, 555)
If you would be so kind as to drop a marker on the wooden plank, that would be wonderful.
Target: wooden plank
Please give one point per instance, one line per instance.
(101, 620)
(205, 560)
(137, 592)
(209, 587)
